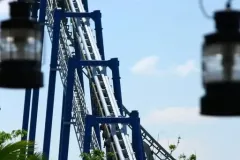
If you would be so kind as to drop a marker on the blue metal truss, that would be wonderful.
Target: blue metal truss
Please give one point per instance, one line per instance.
(73, 42)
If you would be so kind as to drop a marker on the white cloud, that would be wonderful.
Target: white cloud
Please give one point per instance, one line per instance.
(149, 66)
(185, 69)
(176, 115)
(146, 66)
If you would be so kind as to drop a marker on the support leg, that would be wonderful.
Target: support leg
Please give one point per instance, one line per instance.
(26, 111)
(79, 57)
(94, 107)
(85, 5)
(136, 136)
(87, 137)
(96, 15)
(114, 65)
(97, 131)
(51, 84)
(34, 112)
(63, 107)
(67, 115)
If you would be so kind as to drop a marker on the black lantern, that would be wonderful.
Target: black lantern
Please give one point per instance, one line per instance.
(21, 49)
(221, 67)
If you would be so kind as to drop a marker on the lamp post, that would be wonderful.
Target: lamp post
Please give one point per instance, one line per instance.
(20, 49)
(221, 66)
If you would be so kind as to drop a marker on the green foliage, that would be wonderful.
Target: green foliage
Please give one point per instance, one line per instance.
(96, 155)
(16, 150)
(173, 147)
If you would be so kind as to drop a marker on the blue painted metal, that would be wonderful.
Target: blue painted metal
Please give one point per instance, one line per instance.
(26, 111)
(85, 5)
(51, 83)
(93, 106)
(96, 16)
(78, 56)
(136, 135)
(133, 120)
(63, 107)
(73, 64)
(58, 15)
(68, 93)
(114, 65)
(66, 119)
(42, 12)
(33, 121)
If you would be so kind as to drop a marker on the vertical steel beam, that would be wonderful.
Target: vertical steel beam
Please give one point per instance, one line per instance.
(52, 83)
(96, 16)
(78, 56)
(85, 5)
(136, 133)
(114, 65)
(26, 111)
(87, 134)
(67, 113)
(61, 127)
(33, 121)
(92, 98)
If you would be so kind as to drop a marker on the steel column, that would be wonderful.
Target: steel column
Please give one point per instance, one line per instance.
(52, 83)
(137, 140)
(67, 113)
(85, 5)
(58, 15)
(26, 111)
(63, 106)
(114, 65)
(96, 16)
(78, 56)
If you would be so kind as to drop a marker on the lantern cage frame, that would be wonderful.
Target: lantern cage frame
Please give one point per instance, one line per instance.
(23, 71)
(222, 98)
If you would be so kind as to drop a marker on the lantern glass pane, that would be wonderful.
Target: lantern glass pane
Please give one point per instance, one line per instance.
(20, 44)
(221, 62)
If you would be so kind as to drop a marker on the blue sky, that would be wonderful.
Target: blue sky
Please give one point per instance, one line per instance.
(166, 37)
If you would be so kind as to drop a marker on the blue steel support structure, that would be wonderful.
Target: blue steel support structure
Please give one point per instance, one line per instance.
(78, 56)
(58, 15)
(73, 64)
(84, 56)
(85, 5)
(51, 84)
(133, 120)
(96, 16)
